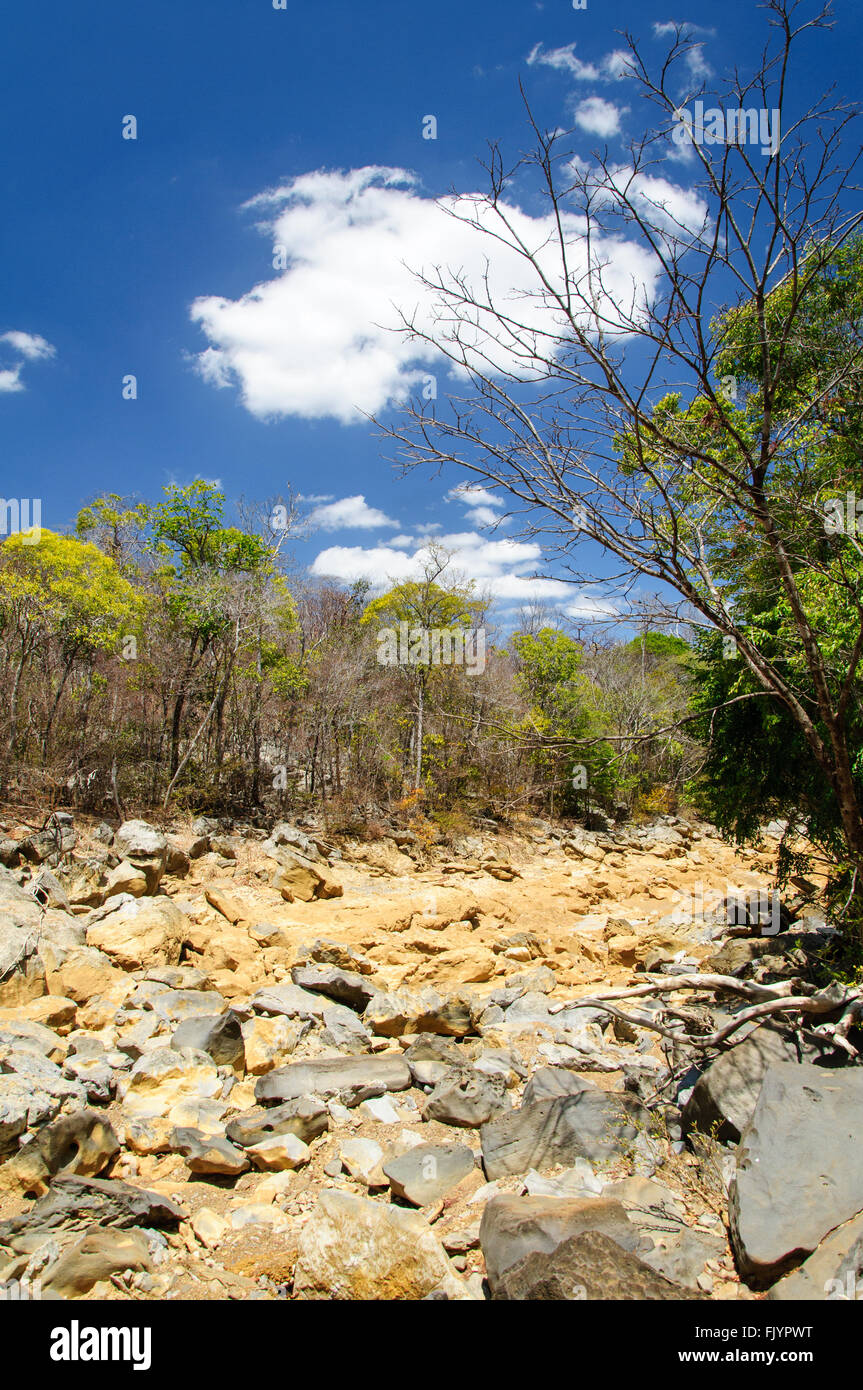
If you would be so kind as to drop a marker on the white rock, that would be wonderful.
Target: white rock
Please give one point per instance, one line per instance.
(279, 1152)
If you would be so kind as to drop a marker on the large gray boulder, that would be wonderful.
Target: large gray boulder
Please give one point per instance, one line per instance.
(78, 1204)
(595, 1125)
(724, 1097)
(798, 1171)
(219, 1035)
(289, 1001)
(547, 1083)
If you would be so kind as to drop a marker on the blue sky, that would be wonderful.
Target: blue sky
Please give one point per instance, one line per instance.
(123, 256)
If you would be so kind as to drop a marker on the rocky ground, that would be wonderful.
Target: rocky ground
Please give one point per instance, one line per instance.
(242, 1064)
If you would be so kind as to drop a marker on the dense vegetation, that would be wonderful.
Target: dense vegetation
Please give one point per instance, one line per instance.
(161, 656)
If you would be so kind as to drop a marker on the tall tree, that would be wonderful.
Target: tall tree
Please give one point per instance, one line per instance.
(634, 419)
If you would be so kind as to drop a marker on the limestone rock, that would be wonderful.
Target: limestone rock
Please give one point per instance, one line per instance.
(296, 877)
(304, 1117)
(139, 934)
(344, 986)
(833, 1272)
(467, 1099)
(290, 1001)
(394, 1014)
(95, 1257)
(76, 1204)
(145, 848)
(165, 1076)
(359, 1078)
(209, 1153)
(362, 1159)
(358, 1248)
(547, 1083)
(82, 1143)
(219, 1035)
(279, 1152)
(724, 1097)
(268, 1042)
(126, 878)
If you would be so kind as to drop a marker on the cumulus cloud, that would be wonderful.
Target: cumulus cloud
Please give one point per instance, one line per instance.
(598, 116)
(482, 506)
(666, 206)
(318, 340)
(349, 513)
(504, 569)
(26, 347)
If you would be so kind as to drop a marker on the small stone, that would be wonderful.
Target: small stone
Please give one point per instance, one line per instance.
(208, 1153)
(380, 1109)
(362, 1159)
(208, 1226)
(279, 1152)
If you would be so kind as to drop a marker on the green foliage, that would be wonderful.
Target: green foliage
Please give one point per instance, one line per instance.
(67, 590)
(563, 714)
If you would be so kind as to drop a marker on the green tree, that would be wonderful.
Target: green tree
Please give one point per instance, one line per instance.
(66, 593)
(410, 612)
(563, 718)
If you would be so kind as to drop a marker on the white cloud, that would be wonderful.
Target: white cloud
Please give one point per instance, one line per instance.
(665, 29)
(482, 505)
(611, 68)
(10, 379)
(472, 493)
(28, 347)
(617, 64)
(382, 565)
(564, 60)
(665, 205)
(317, 340)
(503, 569)
(694, 58)
(598, 116)
(349, 513)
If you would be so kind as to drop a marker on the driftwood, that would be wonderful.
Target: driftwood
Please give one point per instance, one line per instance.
(786, 997)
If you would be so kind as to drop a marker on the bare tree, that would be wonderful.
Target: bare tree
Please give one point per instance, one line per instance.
(561, 414)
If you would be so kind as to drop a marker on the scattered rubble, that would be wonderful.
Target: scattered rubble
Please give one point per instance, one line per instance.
(235, 1064)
